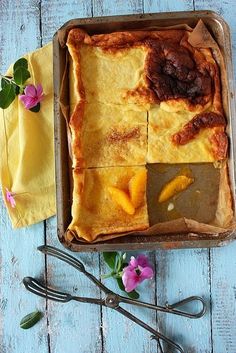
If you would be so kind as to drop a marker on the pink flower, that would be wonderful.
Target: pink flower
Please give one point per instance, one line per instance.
(32, 96)
(136, 272)
(10, 198)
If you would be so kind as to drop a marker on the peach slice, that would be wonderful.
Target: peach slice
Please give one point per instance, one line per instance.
(174, 186)
(137, 187)
(122, 199)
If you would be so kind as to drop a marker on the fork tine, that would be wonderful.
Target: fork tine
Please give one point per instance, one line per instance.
(37, 288)
(62, 255)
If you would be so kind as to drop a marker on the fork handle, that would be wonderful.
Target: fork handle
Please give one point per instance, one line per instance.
(74, 262)
(155, 334)
(171, 309)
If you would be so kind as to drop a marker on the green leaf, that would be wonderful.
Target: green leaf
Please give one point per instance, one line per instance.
(30, 319)
(120, 284)
(35, 109)
(4, 82)
(20, 63)
(133, 294)
(7, 95)
(21, 74)
(110, 259)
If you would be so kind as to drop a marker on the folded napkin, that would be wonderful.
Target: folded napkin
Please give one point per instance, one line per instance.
(27, 148)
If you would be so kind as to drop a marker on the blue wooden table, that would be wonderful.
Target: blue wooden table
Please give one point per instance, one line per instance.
(81, 328)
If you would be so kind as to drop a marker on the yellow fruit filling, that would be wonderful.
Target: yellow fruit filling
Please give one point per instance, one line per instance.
(122, 199)
(134, 198)
(174, 186)
(137, 187)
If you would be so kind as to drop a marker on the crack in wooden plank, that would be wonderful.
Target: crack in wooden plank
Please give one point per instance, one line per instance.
(101, 308)
(210, 299)
(46, 282)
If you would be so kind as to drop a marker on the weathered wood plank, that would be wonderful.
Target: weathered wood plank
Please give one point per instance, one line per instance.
(117, 7)
(167, 6)
(73, 327)
(55, 13)
(19, 30)
(18, 259)
(181, 274)
(223, 278)
(20, 33)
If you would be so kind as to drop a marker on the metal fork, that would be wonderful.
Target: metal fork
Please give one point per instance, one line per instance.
(111, 299)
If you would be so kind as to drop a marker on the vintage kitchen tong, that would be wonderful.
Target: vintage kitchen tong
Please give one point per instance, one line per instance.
(111, 299)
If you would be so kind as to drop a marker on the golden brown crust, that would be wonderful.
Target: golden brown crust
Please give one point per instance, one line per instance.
(219, 142)
(117, 40)
(172, 73)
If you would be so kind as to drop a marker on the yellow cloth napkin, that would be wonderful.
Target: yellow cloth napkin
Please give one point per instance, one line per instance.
(27, 148)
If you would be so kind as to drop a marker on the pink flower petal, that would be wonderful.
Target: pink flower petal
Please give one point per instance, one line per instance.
(142, 260)
(40, 98)
(146, 273)
(10, 198)
(32, 96)
(12, 202)
(136, 272)
(130, 280)
(30, 91)
(133, 262)
(28, 102)
(39, 90)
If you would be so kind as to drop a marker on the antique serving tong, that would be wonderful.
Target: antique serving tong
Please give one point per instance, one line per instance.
(111, 299)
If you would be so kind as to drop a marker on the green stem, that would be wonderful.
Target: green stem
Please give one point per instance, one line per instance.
(6, 78)
(10, 80)
(108, 275)
(119, 263)
(118, 274)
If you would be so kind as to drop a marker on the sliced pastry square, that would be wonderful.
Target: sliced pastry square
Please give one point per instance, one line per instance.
(108, 75)
(103, 201)
(109, 135)
(185, 136)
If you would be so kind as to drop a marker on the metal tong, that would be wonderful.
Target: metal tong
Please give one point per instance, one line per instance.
(111, 299)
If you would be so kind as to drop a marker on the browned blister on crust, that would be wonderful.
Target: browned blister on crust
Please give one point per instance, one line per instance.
(201, 121)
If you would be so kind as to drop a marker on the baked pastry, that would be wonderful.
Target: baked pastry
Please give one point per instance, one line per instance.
(161, 73)
(181, 137)
(137, 97)
(95, 211)
(117, 135)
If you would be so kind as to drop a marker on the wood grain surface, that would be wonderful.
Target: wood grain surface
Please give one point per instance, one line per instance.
(82, 328)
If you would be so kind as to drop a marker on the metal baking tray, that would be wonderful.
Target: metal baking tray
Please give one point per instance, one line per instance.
(221, 33)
